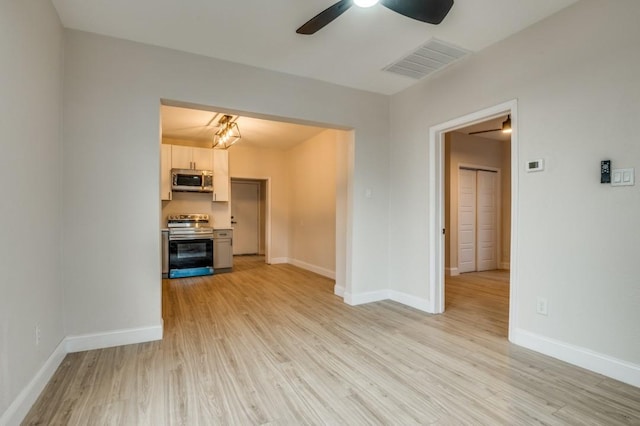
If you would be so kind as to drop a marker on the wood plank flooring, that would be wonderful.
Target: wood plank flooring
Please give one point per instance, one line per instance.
(273, 345)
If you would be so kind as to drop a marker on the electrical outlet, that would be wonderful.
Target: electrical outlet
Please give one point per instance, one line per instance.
(37, 334)
(542, 307)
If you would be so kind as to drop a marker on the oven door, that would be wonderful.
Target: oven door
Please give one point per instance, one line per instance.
(190, 257)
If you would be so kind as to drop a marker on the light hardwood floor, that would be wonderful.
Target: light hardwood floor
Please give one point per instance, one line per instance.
(273, 345)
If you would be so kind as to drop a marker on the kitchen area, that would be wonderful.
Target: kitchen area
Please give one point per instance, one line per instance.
(206, 217)
(197, 238)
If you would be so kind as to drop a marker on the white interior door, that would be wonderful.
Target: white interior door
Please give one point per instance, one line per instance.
(486, 222)
(245, 215)
(466, 221)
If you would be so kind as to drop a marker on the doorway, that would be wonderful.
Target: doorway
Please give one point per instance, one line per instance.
(438, 219)
(248, 216)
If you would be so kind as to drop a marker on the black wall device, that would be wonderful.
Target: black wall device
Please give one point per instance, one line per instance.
(605, 171)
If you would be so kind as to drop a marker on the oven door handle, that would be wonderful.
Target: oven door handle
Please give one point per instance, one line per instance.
(190, 237)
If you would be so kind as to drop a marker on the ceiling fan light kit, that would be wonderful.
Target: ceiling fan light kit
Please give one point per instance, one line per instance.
(365, 3)
(430, 11)
(506, 127)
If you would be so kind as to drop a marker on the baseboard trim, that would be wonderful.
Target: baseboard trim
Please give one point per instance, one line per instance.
(396, 296)
(313, 268)
(505, 265)
(28, 396)
(87, 342)
(279, 260)
(451, 272)
(594, 361)
(355, 299)
(338, 290)
(409, 300)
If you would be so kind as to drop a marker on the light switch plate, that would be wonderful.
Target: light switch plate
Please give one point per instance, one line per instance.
(623, 177)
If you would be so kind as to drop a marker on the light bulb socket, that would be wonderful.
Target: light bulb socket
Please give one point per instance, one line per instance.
(365, 3)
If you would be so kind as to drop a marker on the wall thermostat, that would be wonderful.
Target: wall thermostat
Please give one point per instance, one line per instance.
(535, 165)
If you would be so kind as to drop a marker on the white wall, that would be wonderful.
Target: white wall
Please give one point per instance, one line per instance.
(31, 45)
(575, 78)
(112, 94)
(303, 197)
(312, 238)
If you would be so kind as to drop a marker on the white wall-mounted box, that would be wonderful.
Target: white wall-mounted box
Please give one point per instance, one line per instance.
(623, 177)
(535, 165)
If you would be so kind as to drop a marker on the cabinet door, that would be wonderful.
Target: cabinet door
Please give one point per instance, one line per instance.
(220, 175)
(222, 253)
(181, 157)
(202, 158)
(165, 172)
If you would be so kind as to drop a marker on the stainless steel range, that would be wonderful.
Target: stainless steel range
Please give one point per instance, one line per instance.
(190, 245)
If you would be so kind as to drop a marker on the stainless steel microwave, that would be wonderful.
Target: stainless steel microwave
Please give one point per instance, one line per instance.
(191, 180)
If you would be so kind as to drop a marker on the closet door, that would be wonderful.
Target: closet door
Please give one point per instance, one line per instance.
(486, 221)
(466, 221)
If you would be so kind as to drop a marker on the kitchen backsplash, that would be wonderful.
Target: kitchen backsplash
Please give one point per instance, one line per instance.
(193, 202)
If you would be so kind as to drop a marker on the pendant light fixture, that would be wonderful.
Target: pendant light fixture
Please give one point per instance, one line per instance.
(228, 134)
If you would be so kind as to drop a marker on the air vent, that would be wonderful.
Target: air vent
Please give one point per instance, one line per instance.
(428, 58)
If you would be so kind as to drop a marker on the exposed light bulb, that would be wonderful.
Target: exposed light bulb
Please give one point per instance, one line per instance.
(506, 125)
(365, 3)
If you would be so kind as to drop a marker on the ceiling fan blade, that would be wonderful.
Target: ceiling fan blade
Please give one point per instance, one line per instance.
(485, 131)
(326, 16)
(430, 11)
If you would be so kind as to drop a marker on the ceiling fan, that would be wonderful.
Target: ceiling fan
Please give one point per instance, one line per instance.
(430, 11)
(506, 127)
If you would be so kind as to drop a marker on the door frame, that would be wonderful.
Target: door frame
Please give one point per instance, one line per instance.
(267, 209)
(436, 203)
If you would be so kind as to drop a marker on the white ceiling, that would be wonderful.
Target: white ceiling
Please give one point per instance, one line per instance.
(351, 51)
(200, 126)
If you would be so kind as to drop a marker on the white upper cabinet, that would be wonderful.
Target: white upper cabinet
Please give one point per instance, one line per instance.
(186, 157)
(165, 172)
(220, 175)
(202, 158)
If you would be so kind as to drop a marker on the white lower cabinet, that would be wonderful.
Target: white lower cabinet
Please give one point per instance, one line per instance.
(222, 249)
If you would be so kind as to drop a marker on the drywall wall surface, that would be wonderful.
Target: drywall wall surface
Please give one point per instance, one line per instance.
(575, 78)
(312, 171)
(113, 89)
(31, 49)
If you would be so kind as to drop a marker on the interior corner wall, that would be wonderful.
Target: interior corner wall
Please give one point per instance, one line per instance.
(470, 150)
(312, 204)
(575, 78)
(31, 293)
(112, 92)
